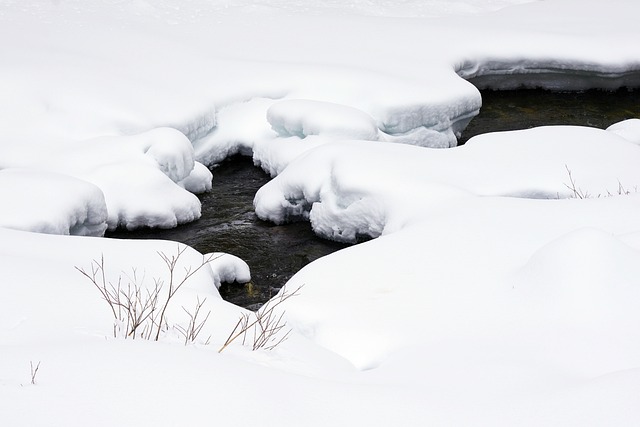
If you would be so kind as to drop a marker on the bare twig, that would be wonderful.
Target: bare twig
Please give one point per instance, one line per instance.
(34, 372)
(171, 262)
(577, 192)
(191, 332)
(97, 277)
(266, 327)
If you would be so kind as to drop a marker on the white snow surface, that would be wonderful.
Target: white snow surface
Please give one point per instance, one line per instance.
(229, 268)
(502, 284)
(303, 118)
(47, 202)
(352, 189)
(628, 129)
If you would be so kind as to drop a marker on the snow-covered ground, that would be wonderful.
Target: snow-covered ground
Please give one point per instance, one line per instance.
(502, 285)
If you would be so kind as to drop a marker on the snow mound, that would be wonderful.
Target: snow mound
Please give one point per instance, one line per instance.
(299, 117)
(578, 266)
(144, 197)
(228, 268)
(143, 177)
(565, 284)
(39, 309)
(200, 179)
(627, 129)
(356, 188)
(47, 202)
(239, 126)
(170, 149)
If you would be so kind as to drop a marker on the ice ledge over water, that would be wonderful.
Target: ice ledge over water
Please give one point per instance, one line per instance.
(552, 74)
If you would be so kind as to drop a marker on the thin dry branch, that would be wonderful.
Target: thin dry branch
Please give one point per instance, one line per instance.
(34, 372)
(266, 327)
(171, 262)
(577, 192)
(139, 311)
(191, 332)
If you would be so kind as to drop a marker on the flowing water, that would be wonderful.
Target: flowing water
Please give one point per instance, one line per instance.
(275, 253)
(228, 224)
(527, 108)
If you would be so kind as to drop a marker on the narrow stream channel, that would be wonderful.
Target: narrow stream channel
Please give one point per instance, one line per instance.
(228, 224)
(527, 108)
(275, 253)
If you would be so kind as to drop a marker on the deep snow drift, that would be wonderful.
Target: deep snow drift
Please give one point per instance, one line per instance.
(501, 287)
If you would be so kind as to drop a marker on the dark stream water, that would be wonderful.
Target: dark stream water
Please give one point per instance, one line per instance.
(275, 253)
(228, 224)
(527, 108)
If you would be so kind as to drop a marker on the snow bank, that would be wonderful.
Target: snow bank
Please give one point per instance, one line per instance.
(138, 175)
(46, 202)
(352, 189)
(627, 129)
(200, 179)
(552, 61)
(436, 288)
(240, 126)
(229, 268)
(301, 118)
(469, 308)
(143, 177)
(47, 300)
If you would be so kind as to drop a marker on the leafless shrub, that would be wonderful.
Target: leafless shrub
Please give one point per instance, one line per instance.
(191, 332)
(140, 311)
(265, 332)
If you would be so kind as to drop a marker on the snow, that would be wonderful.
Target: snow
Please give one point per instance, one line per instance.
(296, 117)
(143, 176)
(351, 189)
(493, 292)
(199, 180)
(52, 203)
(627, 129)
(229, 268)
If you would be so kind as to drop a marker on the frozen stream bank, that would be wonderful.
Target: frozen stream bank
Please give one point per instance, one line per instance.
(275, 253)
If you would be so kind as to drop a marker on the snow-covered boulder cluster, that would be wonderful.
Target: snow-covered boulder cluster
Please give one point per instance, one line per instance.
(500, 286)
